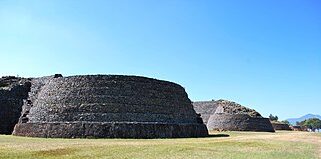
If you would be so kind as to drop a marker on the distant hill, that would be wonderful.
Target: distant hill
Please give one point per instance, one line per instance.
(308, 116)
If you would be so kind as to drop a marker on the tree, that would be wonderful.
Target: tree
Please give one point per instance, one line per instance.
(286, 122)
(300, 123)
(273, 118)
(313, 123)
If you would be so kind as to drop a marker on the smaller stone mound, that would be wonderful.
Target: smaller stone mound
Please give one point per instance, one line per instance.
(229, 107)
(280, 126)
(224, 115)
(298, 128)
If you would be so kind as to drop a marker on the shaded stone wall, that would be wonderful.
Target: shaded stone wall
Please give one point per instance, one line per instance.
(281, 126)
(13, 92)
(108, 106)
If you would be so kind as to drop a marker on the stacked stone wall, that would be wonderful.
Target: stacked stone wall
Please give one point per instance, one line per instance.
(225, 115)
(108, 106)
(12, 95)
(281, 126)
(205, 109)
(238, 122)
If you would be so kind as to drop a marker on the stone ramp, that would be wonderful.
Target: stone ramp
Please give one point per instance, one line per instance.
(205, 109)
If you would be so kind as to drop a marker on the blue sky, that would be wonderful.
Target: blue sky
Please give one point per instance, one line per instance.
(262, 54)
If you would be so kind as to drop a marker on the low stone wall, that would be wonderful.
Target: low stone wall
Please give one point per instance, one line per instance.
(238, 122)
(108, 106)
(281, 126)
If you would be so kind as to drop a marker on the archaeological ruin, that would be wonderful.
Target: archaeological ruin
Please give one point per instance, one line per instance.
(98, 106)
(13, 91)
(280, 126)
(223, 115)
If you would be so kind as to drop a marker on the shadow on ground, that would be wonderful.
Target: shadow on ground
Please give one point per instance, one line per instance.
(218, 135)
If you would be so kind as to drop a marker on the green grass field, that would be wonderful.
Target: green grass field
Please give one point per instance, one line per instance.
(245, 145)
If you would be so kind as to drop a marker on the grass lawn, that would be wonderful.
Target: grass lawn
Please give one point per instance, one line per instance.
(238, 145)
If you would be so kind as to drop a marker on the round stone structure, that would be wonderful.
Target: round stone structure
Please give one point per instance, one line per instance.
(108, 106)
(223, 115)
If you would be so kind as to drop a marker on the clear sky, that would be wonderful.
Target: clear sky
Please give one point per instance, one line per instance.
(263, 54)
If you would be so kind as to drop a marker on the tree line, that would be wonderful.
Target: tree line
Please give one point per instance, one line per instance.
(313, 124)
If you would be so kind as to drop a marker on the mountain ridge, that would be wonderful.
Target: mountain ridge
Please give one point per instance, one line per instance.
(307, 116)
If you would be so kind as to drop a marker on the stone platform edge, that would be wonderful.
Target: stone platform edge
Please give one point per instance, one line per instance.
(110, 130)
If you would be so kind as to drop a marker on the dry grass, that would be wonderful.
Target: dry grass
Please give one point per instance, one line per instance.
(238, 145)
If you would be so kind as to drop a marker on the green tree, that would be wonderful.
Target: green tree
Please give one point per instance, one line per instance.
(300, 123)
(313, 124)
(286, 122)
(273, 118)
